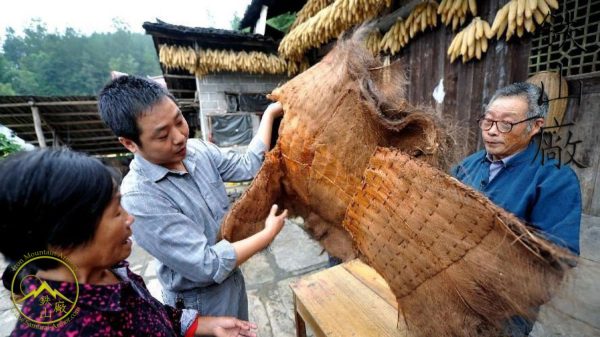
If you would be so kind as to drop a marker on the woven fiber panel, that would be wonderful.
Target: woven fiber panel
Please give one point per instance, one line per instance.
(458, 264)
(248, 217)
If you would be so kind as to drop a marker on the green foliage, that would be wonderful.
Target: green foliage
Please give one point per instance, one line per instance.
(235, 22)
(45, 63)
(282, 22)
(7, 146)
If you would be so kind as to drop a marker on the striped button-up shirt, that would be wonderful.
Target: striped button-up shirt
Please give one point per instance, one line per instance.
(178, 214)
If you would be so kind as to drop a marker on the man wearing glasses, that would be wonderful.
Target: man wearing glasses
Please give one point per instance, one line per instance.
(546, 196)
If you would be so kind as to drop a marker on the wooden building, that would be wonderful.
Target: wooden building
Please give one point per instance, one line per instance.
(216, 72)
(568, 42)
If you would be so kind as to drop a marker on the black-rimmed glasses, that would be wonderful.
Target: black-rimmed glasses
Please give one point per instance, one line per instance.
(503, 126)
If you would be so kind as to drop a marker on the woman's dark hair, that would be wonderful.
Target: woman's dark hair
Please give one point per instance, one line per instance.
(50, 199)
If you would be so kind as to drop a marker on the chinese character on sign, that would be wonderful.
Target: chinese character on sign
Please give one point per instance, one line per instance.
(46, 313)
(44, 299)
(60, 307)
(551, 147)
(564, 31)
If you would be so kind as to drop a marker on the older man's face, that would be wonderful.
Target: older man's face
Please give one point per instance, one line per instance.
(511, 109)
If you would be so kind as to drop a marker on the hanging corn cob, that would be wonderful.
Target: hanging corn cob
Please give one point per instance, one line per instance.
(328, 24)
(177, 57)
(472, 41)
(518, 16)
(207, 61)
(373, 41)
(396, 38)
(424, 15)
(310, 8)
(454, 12)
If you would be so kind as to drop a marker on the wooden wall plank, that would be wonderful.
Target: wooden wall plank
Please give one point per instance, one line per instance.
(468, 87)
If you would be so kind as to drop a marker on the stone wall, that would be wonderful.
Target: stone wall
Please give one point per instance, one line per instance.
(213, 88)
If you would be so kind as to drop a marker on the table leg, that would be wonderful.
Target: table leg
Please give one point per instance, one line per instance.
(300, 325)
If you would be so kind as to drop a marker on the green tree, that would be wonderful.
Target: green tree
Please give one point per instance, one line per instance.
(5, 77)
(235, 22)
(282, 22)
(44, 63)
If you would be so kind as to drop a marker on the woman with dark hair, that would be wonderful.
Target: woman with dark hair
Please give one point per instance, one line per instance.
(67, 205)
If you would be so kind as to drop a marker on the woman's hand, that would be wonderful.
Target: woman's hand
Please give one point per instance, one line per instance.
(225, 327)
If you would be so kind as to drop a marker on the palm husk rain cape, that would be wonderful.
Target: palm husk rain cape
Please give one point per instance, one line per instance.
(366, 171)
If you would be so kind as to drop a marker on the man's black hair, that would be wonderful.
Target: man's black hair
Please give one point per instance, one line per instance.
(122, 101)
(51, 199)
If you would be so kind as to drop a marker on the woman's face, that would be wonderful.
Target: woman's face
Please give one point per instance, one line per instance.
(111, 242)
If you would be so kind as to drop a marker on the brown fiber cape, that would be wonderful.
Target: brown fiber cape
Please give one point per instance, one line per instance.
(363, 168)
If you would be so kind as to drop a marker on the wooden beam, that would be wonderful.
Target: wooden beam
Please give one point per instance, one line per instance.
(68, 114)
(384, 23)
(32, 133)
(94, 144)
(102, 149)
(95, 138)
(54, 113)
(37, 124)
(203, 118)
(64, 103)
(182, 90)
(12, 126)
(68, 132)
(23, 114)
(91, 121)
(181, 77)
(71, 143)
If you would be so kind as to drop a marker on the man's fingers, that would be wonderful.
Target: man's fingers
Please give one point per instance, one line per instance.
(245, 325)
(273, 210)
(247, 333)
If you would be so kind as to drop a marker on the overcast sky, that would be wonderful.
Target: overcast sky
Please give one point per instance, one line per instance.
(96, 16)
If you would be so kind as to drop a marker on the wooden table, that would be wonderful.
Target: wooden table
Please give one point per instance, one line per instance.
(350, 299)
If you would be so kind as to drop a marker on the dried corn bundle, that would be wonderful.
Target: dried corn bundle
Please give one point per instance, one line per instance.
(207, 61)
(395, 38)
(177, 57)
(423, 16)
(351, 159)
(454, 12)
(211, 61)
(327, 24)
(310, 8)
(471, 41)
(518, 16)
(373, 41)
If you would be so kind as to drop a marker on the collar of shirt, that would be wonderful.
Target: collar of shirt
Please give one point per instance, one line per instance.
(514, 158)
(504, 161)
(157, 172)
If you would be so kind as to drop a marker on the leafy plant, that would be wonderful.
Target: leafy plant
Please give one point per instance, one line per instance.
(7, 146)
(282, 22)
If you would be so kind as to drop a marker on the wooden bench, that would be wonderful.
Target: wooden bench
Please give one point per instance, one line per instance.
(350, 299)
